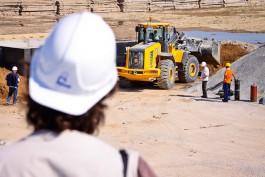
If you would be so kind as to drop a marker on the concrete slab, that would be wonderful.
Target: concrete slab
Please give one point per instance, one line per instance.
(22, 43)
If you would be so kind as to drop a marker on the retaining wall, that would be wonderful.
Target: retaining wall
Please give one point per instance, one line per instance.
(64, 7)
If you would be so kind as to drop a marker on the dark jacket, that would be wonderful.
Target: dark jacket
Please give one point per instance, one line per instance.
(12, 80)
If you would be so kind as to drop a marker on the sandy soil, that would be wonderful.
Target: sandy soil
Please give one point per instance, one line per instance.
(179, 134)
(244, 19)
(236, 19)
(184, 135)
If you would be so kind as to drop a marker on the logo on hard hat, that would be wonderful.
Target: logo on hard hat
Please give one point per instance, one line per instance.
(62, 80)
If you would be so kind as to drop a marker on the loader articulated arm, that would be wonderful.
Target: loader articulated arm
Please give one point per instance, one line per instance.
(204, 49)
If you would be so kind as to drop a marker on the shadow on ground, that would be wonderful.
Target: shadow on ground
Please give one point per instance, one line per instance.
(185, 96)
(208, 100)
(140, 88)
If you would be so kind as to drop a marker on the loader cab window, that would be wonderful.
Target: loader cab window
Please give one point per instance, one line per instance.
(141, 33)
(170, 32)
(155, 34)
(152, 34)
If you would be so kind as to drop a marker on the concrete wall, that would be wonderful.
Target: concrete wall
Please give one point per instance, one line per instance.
(64, 7)
(55, 7)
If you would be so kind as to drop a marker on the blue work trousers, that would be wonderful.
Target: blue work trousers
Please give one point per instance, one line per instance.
(12, 91)
(226, 91)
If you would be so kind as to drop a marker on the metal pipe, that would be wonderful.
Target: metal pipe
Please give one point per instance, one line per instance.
(237, 89)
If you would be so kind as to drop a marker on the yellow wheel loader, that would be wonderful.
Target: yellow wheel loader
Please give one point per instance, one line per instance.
(162, 53)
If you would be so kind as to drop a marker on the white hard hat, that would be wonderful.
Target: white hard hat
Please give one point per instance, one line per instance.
(76, 67)
(14, 68)
(203, 63)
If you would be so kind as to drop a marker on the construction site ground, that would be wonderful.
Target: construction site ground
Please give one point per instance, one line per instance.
(178, 133)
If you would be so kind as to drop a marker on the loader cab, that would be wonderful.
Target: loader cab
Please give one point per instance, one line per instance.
(152, 32)
(155, 32)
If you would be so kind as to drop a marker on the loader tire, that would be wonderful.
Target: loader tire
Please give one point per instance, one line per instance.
(167, 77)
(191, 69)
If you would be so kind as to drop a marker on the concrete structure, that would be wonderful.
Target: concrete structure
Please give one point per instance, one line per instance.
(17, 52)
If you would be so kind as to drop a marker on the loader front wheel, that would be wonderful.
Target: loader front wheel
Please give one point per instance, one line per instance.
(166, 80)
(191, 69)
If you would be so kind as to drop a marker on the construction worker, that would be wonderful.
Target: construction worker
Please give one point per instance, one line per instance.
(70, 77)
(12, 80)
(227, 81)
(205, 77)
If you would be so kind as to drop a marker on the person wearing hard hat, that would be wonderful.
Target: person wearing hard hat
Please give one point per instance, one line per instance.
(70, 77)
(227, 81)
(204, 77)
(12, 80)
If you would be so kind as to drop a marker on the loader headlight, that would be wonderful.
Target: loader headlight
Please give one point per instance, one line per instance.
(136, 60)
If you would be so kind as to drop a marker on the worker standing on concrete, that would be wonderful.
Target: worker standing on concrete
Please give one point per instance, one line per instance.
(12, 80)
(227, 81)
(205, 77)
(70, 77)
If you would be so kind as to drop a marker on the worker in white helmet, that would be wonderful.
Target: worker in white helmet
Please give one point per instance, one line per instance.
(12, 80)
(70, 77)
(204, 77)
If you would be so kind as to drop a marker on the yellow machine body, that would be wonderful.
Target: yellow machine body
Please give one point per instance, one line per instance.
(162, 49)
(149, 71)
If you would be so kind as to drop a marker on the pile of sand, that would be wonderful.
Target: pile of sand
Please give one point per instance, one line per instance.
(230, 52)
(22, 88)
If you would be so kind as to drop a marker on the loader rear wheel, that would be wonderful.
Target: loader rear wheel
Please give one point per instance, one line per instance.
(166, 80)
(191, 69)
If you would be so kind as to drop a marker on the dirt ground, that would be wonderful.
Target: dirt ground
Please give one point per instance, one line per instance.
(179, 134)
(244, 19)
(234, 19)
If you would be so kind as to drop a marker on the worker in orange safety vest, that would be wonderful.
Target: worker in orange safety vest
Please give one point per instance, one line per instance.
(227, 81)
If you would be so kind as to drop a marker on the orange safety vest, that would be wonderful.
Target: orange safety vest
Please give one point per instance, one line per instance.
(228, 76)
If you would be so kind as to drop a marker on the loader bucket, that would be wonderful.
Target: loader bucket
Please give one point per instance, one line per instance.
(209, 51)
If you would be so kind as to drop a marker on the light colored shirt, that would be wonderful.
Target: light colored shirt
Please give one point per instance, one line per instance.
(68, 154)
(205, 72)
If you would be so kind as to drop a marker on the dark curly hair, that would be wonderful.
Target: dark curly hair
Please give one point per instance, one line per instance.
(42, 117)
